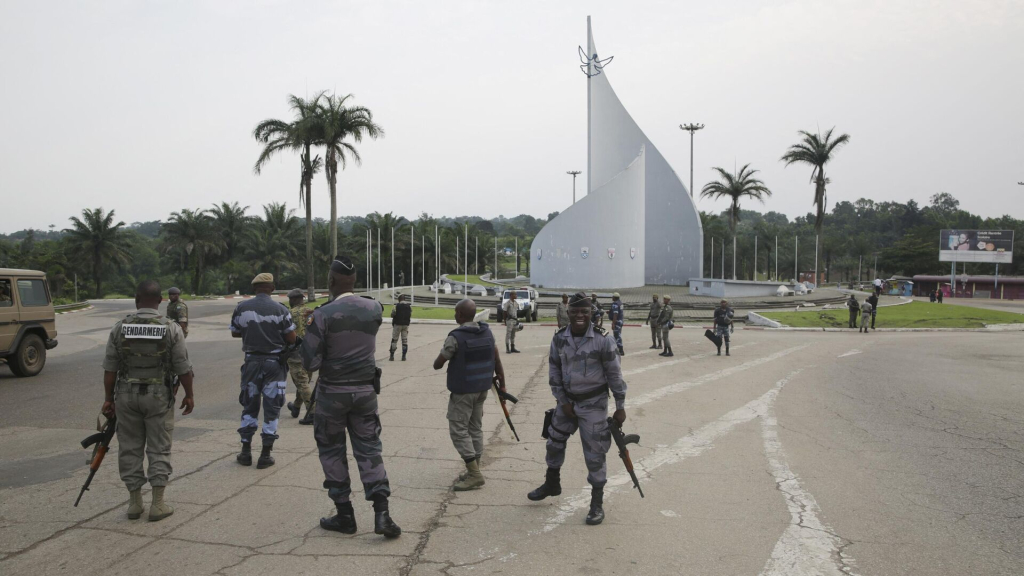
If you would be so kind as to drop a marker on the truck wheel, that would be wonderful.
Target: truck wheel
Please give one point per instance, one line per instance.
(500, 320)
(30, 356)
(535, 315)
(526, 315)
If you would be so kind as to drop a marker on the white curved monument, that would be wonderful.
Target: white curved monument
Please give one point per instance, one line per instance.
(637, 225)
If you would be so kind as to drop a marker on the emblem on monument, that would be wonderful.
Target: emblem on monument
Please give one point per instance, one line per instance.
(584, 252)
(540, 253)
(632, 253)
(611, 253)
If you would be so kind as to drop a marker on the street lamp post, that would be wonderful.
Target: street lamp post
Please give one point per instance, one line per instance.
(574, 174)
(691, 128)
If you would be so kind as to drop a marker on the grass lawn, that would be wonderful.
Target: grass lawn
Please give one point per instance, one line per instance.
(913, 315)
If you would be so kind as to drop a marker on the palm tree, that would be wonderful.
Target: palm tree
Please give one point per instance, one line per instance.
(98, 240)
(271, 244)
(735, 186)
(337, 122)
(231, 222)
(194, 236)
(298, 135)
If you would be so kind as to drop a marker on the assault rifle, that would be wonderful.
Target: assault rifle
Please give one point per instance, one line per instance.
(501, 398)
(102, 442)
(621, 440)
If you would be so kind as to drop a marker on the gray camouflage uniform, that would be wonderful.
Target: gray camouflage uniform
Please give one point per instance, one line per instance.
(578, 368)
(511, 311)
(142, 398)
(341, 343)
(652, 318)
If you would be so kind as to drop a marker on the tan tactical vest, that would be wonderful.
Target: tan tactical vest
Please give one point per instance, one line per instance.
(144, 350)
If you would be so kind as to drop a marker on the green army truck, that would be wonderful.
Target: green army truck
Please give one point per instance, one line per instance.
(27, 325)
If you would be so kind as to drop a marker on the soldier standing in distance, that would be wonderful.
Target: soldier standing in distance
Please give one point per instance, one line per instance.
(562, 312)
(265, 328)
(511, 311)
(341, 343)
(475, 365)
(401, 317)
(723, 324)
(597, 318)
(303, 392)
(873, 300)
(617, 315)
(854, 308)
(582, 367)
(177, 310)
(144, 351)
(652, 319)
(665, 324)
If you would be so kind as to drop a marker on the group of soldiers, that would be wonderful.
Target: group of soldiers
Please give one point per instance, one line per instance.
(146, 361)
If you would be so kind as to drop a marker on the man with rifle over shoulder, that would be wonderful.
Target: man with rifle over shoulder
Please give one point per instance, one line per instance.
(583, 366)
(475, 367)
(144, 352)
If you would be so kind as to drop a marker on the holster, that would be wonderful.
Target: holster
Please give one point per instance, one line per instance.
(376, 380)
(548, 416)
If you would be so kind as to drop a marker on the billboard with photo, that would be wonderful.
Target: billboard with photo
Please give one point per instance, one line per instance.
(991, 246)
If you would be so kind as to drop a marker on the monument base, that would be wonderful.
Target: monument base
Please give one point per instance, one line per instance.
(720, 288)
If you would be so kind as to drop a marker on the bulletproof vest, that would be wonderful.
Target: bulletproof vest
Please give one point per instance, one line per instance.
(471, 368)
(403, 313)
(144, 350)
(350, 330)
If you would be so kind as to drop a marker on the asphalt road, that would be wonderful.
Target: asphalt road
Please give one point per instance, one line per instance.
(803, 453)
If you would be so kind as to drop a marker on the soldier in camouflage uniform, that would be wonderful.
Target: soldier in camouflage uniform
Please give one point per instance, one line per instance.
(511, 312)
(144, 351)
(617, 315)
(300, 377)
(341, 343)
(652, 319)
(666, 324)
(177, 310)
(582, 367)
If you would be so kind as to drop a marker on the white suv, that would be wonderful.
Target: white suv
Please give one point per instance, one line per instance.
(526, 302)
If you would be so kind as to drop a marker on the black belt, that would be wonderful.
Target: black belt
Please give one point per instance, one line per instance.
(602, 391)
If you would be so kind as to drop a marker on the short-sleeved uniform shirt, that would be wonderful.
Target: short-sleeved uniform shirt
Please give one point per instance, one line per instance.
(179, 356)
(262, 322)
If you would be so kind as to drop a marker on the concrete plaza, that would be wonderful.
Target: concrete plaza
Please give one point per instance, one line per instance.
(802, 453)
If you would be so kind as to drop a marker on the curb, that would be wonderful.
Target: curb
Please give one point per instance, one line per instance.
(83, 309)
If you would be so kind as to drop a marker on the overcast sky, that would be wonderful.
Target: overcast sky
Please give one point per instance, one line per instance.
(148, 107)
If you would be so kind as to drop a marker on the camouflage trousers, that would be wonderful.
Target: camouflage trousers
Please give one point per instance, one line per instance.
(396, 331)
(592, 422)
(356, 413)
(263, 381)
(465, 423)
(145, 421)
(723, 331)
(617, 332)
(300, 377)
(510, 332)
(664, 336)
(655, 334)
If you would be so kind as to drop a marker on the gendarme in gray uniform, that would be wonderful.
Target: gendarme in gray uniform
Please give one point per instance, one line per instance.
(581, 371)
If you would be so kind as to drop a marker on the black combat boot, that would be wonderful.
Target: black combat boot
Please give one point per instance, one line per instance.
(245, 456)
(668, 351)
(266, 460)
(514, 351)
(392, 358)
(405, 350)
(719, 349)
(621, 351)
(552, 485)
(507, 350)
(596, 515)
(726, 348)
(344, 521)
(382, 522)
(308, 418)
(294, 409)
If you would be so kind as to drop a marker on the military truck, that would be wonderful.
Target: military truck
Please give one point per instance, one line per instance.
(27, 325)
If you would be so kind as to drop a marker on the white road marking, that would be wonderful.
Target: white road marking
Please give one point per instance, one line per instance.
(693, 444)
(669, 514)
(808, 546)
(680, 386)
(682, 360)
(850, 353)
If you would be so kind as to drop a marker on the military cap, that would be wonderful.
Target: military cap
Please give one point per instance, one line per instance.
(343, 265)
(173, 290)
(295, 293)
(579, 300)
(263, 278)
(615, 295)
(401, 297)
(667, 297)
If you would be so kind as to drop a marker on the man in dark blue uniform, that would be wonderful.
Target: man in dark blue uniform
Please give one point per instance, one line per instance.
(617, 315)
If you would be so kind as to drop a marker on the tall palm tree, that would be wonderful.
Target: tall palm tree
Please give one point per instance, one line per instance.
(816, 151)
(736, 186)
(193, 235)
(99, 241)
(339, 128)
(298, 135)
